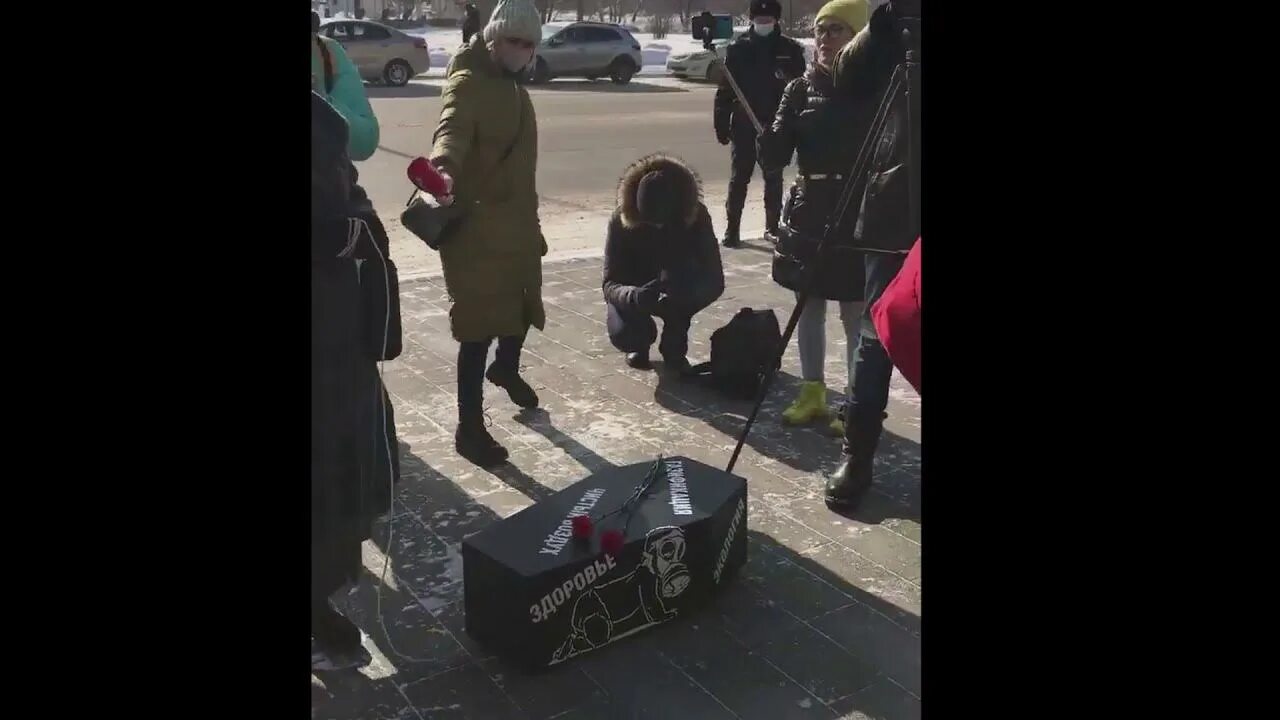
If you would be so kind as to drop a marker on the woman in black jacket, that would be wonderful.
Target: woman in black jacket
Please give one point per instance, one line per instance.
(812, 122)
(354, 455)
(661, 259)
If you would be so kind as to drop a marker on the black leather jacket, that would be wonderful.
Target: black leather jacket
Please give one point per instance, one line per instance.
(862, 72)
(813, 124)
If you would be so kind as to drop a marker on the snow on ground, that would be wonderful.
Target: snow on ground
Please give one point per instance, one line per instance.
(442, 42)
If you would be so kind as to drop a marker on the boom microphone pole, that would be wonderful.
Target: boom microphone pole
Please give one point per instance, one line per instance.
(910, 38)
(742, 99)
(905, 74)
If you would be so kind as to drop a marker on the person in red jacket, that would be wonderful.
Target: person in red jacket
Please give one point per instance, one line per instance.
(897, 318)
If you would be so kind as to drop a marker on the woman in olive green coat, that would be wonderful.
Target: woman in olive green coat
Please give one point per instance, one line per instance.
(486, 144)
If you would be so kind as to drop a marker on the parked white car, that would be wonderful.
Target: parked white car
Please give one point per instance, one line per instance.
(698, 65)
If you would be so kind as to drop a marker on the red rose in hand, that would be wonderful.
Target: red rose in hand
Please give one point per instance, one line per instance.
(582, 527)
(612, 541)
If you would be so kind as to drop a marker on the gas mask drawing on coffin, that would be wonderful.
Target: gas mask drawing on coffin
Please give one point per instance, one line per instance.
(613, 610)
(663, 556)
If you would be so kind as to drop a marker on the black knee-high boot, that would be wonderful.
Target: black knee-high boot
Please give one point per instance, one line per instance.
(472, 440)
(505, 372)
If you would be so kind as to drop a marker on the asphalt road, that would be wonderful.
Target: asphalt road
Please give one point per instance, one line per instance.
(588, 132)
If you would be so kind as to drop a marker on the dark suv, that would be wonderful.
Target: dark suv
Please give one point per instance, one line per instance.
(588, 50)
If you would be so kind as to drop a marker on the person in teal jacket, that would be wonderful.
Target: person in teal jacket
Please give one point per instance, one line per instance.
(335, 76)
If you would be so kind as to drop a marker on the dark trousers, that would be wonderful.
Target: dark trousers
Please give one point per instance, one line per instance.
(872, 368)
(742, 154)
(634, 331)
(471, 359)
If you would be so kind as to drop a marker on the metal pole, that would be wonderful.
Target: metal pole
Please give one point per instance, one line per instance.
(810, 271)
(910, 38)
(742, 99)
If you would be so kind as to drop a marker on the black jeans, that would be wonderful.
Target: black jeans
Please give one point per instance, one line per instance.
(872, 368)
(634, 331)
(471, 358)
(742, 153)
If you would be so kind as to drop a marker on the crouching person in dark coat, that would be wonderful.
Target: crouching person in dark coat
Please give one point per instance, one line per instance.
(661, 260)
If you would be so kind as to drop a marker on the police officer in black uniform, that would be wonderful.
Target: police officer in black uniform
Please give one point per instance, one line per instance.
(708, 22)
(762, 62)
(470, 22)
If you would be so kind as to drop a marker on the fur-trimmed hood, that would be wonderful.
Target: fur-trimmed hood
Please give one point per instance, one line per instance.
(689, 190)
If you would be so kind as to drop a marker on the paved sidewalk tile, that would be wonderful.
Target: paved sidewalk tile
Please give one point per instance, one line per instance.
(822, 622)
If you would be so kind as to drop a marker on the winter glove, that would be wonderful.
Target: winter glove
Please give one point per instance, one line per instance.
(764, 142)
(675, 285)
(724, 126)
(664, 306)
(647, 296)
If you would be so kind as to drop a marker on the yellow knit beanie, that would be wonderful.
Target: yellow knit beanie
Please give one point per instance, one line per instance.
(850, 12)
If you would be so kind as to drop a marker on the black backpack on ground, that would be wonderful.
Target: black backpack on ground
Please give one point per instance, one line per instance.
(742, 351)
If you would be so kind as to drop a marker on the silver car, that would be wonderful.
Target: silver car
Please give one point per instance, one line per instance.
(588, 50)
(380, 52)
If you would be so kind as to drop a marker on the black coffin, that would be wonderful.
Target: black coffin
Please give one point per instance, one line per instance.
(537, 596)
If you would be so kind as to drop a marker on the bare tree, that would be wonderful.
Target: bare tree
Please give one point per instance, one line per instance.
(686, 12)
(547, 8)
(660, 26)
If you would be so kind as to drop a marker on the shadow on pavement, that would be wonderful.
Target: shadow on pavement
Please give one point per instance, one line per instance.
(759, 245)
(788, 637)
(520, 481)
(805, 449)
(539, 421)
(810, 448)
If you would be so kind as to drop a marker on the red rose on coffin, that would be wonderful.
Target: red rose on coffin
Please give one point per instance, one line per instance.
(611, 541)
(582, 527)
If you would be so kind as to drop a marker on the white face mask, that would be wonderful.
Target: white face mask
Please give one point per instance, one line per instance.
(516, 60)
(511, 57)
(765, 27)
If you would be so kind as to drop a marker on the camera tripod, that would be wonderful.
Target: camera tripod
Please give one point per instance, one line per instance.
(905, 79)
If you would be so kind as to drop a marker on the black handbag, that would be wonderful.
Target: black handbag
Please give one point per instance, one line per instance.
(431, 223)
(792, 244)
(435, 224)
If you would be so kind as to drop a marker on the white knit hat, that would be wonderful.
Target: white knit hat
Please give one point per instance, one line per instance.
(517, 19)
